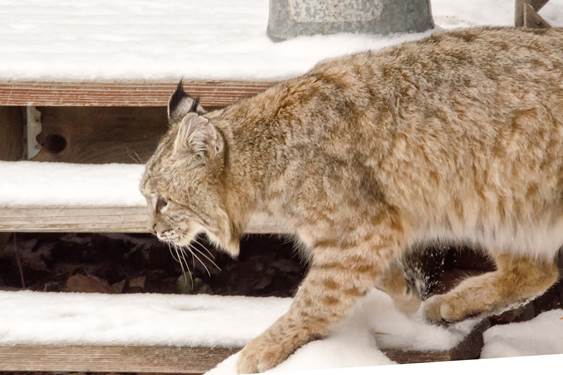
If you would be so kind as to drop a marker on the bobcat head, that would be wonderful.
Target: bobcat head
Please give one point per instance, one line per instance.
(183, 181)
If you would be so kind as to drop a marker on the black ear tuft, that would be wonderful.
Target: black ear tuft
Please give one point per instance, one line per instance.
(180, 104)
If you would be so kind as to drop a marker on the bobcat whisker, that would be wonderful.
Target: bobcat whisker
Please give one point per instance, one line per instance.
(206, 257)
(139, 160)
(179, 258)
(135, 157)
(182, 254)
(198, 258)
(195, 240)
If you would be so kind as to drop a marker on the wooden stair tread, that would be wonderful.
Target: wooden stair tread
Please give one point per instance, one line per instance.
(91, 358)
(175, 359)
(67, 197)
(212, 93)
(77, 218)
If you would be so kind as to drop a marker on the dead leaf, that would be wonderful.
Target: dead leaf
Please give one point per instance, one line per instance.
(138, 282)
(87, 284)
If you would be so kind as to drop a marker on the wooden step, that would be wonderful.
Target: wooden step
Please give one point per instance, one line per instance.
(90, 358)
(65, 197)
(174, 359)
(212, 93)
(85, 219)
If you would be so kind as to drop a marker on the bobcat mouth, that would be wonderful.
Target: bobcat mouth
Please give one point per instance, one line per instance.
(166, 236)
(230, 245)
(176, 237)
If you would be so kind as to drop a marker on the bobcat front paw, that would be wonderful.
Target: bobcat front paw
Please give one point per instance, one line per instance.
(261, 354)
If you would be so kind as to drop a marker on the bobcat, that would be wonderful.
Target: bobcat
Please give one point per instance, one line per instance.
(455, 137)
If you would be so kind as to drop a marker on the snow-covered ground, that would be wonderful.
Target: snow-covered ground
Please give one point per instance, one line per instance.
(146, 39)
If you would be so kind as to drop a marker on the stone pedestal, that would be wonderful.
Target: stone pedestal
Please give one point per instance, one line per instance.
(292, 18)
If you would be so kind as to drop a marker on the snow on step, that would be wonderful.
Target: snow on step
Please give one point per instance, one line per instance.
(66, 197)
(196, 320)
(202, 320)
(541, 335)
(222, 39)
(144, 319)
(64, 184)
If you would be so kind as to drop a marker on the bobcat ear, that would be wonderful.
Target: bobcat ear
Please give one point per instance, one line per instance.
(180, 104)
(197, 135)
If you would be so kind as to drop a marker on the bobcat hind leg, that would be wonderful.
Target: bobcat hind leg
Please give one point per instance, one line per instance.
(517, 280)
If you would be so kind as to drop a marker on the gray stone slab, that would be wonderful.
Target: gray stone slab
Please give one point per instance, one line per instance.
(292, 18)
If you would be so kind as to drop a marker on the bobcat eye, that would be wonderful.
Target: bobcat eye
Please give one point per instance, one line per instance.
(160, 204)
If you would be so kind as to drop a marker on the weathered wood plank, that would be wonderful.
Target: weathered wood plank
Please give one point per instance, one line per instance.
(11, 143)
(526, 13)
(11, 133)
(468, 348)
(100, 134)
(94, 219)
(171, 359)
(160, 359)
(212, 93)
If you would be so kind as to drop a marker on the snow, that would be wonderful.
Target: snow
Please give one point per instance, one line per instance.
(352, 346)
(144, 319)
(375, 323)
(541, 335)
(65, 184)
(151, 319)
(29, 317)
(221, 39)
(148, 40)
(522, 365)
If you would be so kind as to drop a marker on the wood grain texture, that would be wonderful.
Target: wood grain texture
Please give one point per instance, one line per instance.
(146, 359)
(11, 133)
(537, 4)
(212, 93)
(11, 143)
(170, 359)
(101, 134)
(85, 219)
(526, 13)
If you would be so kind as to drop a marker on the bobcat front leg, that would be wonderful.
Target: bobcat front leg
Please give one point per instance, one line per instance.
(516, 280)
(339, 275)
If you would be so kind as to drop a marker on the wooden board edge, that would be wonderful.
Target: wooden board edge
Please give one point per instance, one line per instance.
(468, 348)
(111, 358)
(212, 93)
(99, 219)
